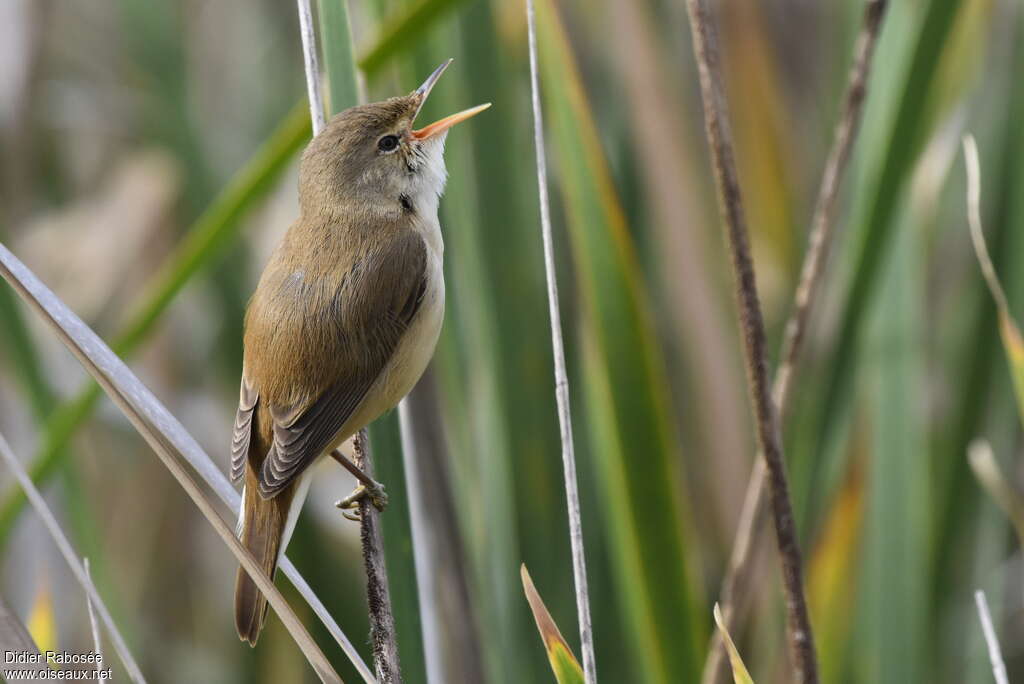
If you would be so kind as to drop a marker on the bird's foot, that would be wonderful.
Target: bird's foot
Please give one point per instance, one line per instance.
(373, 493)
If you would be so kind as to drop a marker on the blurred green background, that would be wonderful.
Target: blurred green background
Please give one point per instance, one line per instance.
(149, 167)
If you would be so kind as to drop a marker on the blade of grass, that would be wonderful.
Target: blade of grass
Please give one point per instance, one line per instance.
(70, 557)
(161, 430)
(572, 495)
(624, 382)
(24, 359)
(894, 602)
(563, 663)
(339, 58)
(740, 674)
(1013, 342)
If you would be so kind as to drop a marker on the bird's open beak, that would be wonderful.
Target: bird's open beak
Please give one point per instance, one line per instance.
(447, 122)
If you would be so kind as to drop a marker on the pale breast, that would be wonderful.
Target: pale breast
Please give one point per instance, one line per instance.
(416, 348)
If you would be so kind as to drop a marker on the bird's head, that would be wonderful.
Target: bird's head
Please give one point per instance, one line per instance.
(371, 156)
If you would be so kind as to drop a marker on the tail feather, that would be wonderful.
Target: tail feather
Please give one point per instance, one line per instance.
(262, 526)
(250, 608)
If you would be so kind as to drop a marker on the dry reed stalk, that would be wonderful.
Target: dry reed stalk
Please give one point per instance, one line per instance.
(378, 596)
(738, 579)
(995, 654)
(719, 136)
(572, 496)
(94, 626)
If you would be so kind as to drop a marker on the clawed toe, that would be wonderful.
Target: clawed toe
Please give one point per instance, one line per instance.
(374, 494)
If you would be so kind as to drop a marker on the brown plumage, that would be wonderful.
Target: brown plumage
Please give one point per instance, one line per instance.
(344, 319)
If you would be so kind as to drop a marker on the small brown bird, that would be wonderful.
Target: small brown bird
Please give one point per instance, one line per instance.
(344, 319)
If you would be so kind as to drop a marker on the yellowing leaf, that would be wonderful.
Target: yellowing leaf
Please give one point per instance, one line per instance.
(739, 670)
(563, 663)
(42, 624)
(1014, 345)
(833, 570)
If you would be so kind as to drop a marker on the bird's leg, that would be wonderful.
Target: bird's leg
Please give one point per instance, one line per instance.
(368, 488)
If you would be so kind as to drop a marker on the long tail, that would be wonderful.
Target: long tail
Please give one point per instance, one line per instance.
(262, 526)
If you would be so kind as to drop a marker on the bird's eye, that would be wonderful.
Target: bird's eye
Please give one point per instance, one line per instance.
(388, 143)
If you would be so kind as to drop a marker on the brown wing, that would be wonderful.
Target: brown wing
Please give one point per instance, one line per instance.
(241, 434)
(379, 300)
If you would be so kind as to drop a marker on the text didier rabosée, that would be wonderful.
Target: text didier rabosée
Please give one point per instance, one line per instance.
(52, 657)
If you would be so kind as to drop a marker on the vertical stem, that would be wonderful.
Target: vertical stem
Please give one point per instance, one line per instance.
(572, 496)
(738, 578)
(94, 626)
(316, 100)
(382, 622)
(719, 135)
(995, 654)
(424, 548)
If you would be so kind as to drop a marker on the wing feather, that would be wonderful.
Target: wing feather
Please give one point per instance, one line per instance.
(241, 434)
(380, 300)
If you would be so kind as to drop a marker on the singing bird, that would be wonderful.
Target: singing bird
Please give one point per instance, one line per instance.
(345, 317)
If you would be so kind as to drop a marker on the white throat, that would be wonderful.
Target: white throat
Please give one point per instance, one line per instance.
(426, 185)
(424, 188)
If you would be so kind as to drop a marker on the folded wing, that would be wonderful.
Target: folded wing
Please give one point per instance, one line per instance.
(380, 298)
